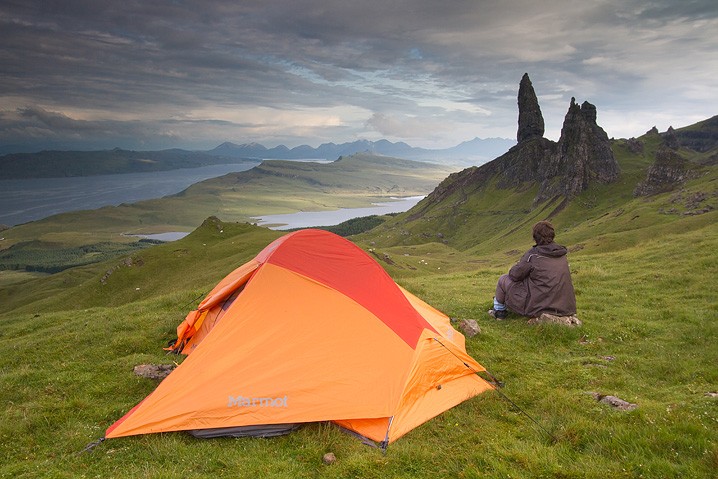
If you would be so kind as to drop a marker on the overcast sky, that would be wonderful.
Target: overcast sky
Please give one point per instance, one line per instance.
(152, 74)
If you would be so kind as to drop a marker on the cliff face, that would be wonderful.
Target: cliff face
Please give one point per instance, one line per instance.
(668, 171)
(701, 137)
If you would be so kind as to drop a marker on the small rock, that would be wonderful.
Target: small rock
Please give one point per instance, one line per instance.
(712, 394)
(329, 458)
(469, 327)
(154, 371)
(614, 402)
(553, 319)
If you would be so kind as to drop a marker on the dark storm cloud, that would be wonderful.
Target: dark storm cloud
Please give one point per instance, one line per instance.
(307, 71)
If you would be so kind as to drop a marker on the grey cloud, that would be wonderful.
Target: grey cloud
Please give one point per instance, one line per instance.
(155, 61)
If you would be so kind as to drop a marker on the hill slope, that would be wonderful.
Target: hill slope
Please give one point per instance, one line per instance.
(274, 186)
(58, 164)
(643, 268)
(481, 214)
(587, 185)
(72, 340)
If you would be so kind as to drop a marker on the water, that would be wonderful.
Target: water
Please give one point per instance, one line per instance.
(33, 199)
(171, 236)
(29, 200)
(306, 219)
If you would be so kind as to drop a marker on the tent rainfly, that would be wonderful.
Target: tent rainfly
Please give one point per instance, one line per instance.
(311, 329)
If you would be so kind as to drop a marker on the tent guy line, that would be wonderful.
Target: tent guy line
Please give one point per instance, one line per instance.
(496, 384)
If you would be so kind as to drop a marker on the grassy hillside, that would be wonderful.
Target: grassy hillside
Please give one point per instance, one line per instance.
(482, 218)
(650, 325)
(644, 270)
(273, 187)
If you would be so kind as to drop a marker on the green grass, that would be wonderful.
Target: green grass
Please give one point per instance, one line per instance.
(67, 369)
(644, 270)
(44, 257)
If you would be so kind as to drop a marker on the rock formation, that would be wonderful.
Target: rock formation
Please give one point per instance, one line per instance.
(584, 153)
(530, 119)
(670, 139)
(635, 146)
(562, 169)
(668, 171)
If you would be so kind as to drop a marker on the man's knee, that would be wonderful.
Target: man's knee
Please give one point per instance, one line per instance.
(502, 286)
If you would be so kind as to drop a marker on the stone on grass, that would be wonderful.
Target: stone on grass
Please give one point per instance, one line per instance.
(469, 327)
(154, 371)
(329, 458)
(614, 402)
(547, 318)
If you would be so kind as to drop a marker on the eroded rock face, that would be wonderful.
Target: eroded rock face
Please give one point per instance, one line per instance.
(668, 171)
(584, 153)
(531, 123)
(670, 139)
(635, 146)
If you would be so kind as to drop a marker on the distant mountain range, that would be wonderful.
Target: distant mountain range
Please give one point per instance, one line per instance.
(476, 151)
(55, 163)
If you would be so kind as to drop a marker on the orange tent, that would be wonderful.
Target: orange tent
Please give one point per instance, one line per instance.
(312, 329)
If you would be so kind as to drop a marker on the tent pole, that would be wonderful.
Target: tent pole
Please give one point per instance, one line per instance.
(385, 443)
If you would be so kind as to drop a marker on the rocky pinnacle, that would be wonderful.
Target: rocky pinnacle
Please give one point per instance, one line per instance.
(530, 119)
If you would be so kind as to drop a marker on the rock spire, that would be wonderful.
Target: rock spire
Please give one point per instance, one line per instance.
(561, 170)
(585, 152)
(530, 119)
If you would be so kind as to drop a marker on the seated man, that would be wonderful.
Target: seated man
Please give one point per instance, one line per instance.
(540, 282)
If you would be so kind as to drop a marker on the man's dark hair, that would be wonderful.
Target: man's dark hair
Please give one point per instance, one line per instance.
(543, 233)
